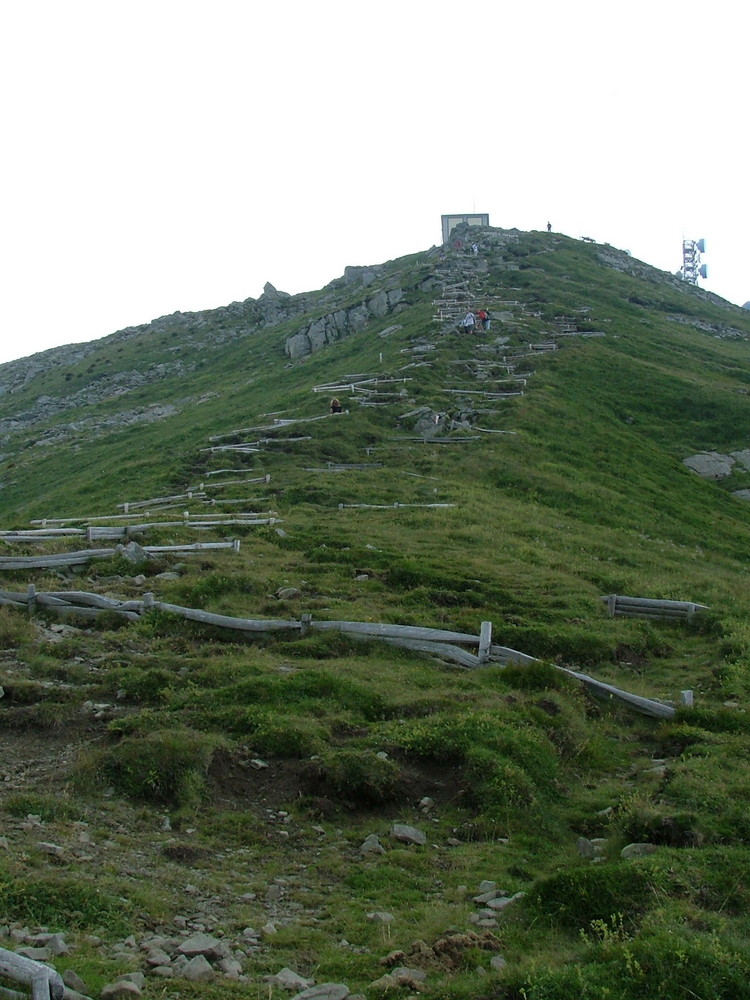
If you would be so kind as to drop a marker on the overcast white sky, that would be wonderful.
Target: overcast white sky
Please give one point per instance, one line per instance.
(163, 155)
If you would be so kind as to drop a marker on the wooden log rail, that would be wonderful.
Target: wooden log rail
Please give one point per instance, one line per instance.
(235, 482)
(80, 558)
(278, 424)
(342, 387)
(390, 506)
(131, 505)
(442, 643)
(114, 531)
(45, 982)
(646, 607)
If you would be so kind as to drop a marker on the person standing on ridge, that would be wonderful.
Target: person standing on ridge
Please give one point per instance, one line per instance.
(549, 227)
(468, 322)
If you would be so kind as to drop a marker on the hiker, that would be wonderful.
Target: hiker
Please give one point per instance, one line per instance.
(549, 227)
(336, 407)
(487, 319)
(468, 322)
(481, 317)
(475, 248)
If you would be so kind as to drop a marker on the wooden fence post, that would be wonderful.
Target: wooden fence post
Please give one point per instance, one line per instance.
(686, 698)
(31, 598)
(305, 622)
(235, 545)
(148, 601)
(485, 641)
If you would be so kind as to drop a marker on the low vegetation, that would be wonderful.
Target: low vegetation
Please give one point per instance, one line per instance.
(182, 768)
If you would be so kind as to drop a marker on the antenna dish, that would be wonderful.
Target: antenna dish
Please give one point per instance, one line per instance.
(692, 269)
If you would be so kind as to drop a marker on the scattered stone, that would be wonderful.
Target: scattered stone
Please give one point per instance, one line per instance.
(157, 956)
(380, 917)
(47, 848)
(489, 894)
(287, 979)
(73, 981)
(499, 903)
(371, 845)
(231, 968)
(133, 552)
(203, 944)
(325, 991)
(133, 977)
(405, 978)
(637, 850)
(585, 848)
(497, 962)
(487, 886)
(121, 990)
(287, 593)
(408, 834)
(198, 970)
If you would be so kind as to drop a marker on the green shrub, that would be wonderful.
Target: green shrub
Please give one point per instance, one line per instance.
(62, 904)
(15, 628)
(49, 808)
(496, 784)
(537, 676)
(166, 767)
(288, 736)
(642, 821)
(150, 687)
(358, 777)
(573, 899)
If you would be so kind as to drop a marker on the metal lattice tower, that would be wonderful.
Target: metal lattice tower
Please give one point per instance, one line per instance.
(692, 269)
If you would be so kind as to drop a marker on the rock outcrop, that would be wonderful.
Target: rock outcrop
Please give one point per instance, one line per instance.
(338, 324)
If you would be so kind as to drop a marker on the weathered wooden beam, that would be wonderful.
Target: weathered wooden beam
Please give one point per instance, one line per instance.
(225, 621)
(651, 607)
(45, 982)
(377, 630)
(390, 506)
(443, 650)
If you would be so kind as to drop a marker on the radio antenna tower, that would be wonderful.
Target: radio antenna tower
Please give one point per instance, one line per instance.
(692, 269)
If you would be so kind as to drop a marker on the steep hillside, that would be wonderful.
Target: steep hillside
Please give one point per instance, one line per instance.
(261, 783)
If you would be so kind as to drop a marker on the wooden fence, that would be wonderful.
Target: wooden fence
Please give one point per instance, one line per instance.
(646, 607)
(444, 644)
(80, 558)
(44, 982)
(126, 531)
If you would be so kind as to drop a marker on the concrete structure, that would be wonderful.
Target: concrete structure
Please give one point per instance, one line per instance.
(470, 218)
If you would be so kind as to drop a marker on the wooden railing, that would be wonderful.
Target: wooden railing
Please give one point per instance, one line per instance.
(442, 643)
(647, 607)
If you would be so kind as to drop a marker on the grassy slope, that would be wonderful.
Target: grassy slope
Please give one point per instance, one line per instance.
(589, 497)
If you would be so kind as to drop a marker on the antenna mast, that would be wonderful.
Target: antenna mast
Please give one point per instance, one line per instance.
(692, 269)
